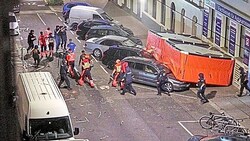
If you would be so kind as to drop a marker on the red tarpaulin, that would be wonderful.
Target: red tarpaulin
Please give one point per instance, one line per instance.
(186, 67)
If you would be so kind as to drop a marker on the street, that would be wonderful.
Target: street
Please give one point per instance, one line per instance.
(101, 112)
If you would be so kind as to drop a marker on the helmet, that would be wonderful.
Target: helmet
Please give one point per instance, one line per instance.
(118, 61)
(87, 56)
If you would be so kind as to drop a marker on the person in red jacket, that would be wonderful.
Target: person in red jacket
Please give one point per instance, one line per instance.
(70, 58)
(42, 43)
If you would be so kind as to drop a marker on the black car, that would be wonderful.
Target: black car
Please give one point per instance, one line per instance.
(103, 30)
(145, 71)
(114, 53)
(84, 27)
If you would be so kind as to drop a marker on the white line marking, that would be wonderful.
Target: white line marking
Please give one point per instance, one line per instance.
(104, 69)
(21, 38)
(190, 121)
(78, 40)
(41, 19)
(72, 32)
(56, 13)
(191, 97)
(185, 128)
(59, 19)
(94, 58)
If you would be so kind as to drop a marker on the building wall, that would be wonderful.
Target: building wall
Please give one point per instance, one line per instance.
(227, 25)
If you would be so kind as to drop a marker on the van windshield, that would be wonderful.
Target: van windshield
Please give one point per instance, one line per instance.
(106, 16)
(51, 128)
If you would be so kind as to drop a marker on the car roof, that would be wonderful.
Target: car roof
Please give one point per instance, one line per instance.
(142, 60)
(114, 37)
(76, 2)
(104, 27)
(136, 49)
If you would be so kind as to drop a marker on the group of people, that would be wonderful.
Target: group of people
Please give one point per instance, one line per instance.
(46, 39)
(122, 76)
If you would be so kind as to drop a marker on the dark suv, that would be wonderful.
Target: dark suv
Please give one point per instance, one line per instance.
(84, 27)
(145, 71)
(103, 30)
(114, 53)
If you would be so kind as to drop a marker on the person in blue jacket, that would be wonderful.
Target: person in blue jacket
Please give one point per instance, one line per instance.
(127, 78)
(57, 37)
(71, 45)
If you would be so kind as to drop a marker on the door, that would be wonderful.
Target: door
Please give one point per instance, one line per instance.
(139, 72)
(150, 74)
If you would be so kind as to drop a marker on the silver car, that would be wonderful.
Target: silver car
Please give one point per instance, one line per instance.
(97, 46)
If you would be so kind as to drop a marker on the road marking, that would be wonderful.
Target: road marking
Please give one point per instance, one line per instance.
(56, 13)
(94, 58)
(72, 32)
(104, 69)
(21, 38)
(191, 97)
(78, 40)
(59, 19)
(185, 128)
(40, 18)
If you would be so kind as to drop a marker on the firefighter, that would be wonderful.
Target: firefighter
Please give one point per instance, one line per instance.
(70, 58)
(86, 68)
(42, 43)
(116, 72)
(127, 78)
(81, 57)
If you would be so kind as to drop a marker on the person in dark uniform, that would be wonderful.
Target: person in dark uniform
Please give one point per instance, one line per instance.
(63, 74)
(127, 78)
(243, 81)
(202, 87)
(31, 39)
(161, 79)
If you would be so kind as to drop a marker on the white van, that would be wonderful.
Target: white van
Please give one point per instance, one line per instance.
(13, 24)
(42, 111)
(78, 14)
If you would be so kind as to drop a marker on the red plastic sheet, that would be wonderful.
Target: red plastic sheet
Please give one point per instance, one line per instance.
(186, 67)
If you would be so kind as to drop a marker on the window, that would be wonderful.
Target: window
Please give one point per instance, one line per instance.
(123, 53)
(172, 18)
(242, 41)
(146, 6)
(212, 24)
(226, 43)
(182, 20)
(150, 69)
(110, 43)
(163, 11)
(139, 66)
(132, 53)
(96, 17)
(131, 64)
(112, 32)
(102, 32)
(154, 8)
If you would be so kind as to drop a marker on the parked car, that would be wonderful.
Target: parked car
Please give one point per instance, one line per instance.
(97, 46)
(84, 27)
(103, 30)
(114, 53)
(145, 71)
(219, 137)
(16, 8)
(69, 5)
(13, 24)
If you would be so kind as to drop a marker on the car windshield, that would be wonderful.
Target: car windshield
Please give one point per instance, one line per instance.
(128, 42)
(106, 17)
(12, 19)
(51, 128)
(122, 32)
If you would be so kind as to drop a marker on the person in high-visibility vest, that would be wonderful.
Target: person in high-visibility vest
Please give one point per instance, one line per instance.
(70, 58)
(116, 72)
(42, 43)
(86, 67)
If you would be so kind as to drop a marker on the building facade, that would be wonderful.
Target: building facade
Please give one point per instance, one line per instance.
(224, 24)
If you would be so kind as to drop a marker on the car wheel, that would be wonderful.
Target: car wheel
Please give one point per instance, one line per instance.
(97, 53)
(74, 26)
(168, 87)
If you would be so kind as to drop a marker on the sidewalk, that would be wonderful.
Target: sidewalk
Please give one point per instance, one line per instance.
(223, 99)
